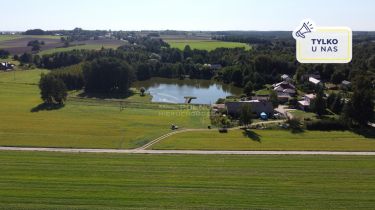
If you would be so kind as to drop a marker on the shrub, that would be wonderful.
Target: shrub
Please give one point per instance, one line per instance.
(4, 53)
(295, 124)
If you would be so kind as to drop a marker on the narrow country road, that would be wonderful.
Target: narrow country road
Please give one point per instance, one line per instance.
(187, 152)
(148, 145)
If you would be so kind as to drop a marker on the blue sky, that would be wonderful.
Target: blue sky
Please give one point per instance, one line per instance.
(185, 14)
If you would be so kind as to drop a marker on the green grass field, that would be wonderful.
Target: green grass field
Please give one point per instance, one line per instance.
(78, 47)
(85, 123)
(113, 181)
(9, 37)
(205, 44)
(268, 140)
(12, 37)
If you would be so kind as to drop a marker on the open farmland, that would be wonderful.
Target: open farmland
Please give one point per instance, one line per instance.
(83, 123)
(86, 45)
(204, 44)
(17, 44)
(13, 37)
(32, 180)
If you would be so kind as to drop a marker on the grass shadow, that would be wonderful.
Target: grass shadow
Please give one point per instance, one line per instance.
(296, 130)
(47, 107)
(106, 95)
(252, 135)
(365, 132)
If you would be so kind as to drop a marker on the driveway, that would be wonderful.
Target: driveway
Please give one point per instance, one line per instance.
(283, 109)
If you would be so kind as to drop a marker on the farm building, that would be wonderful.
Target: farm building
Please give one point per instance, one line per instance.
(257, 106)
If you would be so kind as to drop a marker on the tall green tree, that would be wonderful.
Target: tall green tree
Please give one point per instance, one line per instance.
(273, 98)
(4, 54)
(360, 109)
(319, 104)
(143, 71)
(52, 89)
(335, 103)
(246, 115)
(237, 77)
(108, 75)
(187, 52)
(248, 89)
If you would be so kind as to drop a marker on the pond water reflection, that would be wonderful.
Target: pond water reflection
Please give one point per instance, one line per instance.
(174, 90)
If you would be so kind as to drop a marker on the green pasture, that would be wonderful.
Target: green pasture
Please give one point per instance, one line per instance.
(31, 180)
(268, 140)
(12, 37)
(84, 123)
(205, 44)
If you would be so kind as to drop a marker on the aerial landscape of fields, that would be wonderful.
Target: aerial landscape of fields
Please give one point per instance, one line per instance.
(127, 105)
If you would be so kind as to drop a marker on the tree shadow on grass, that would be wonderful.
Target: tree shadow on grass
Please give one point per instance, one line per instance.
(365, 132)
(252, 135)
(296, 130)
(47, 107)
(106, 95)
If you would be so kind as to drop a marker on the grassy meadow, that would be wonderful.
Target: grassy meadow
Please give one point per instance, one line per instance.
(204, 44)
(83, 123)
(268, 140)
(9, 37)
(113, 181)
(13, 37)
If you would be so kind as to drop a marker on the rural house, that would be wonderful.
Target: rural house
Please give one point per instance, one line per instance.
(284, 87)
(285, 90)
(306, 102)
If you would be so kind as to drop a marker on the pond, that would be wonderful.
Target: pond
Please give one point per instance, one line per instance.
(175, 90)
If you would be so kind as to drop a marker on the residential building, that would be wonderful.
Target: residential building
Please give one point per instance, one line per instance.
(306, 102)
